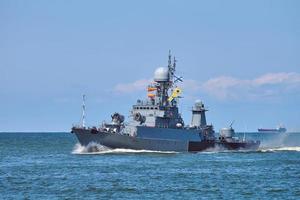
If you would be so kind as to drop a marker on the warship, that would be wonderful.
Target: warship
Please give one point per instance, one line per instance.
(156, 123)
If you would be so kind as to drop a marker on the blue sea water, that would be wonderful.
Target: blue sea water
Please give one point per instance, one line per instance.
(53, 166)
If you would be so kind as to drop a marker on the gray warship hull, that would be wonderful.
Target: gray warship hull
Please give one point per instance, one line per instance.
(191, 142)
(156, 123)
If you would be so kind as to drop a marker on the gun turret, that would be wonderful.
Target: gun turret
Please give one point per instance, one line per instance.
(117, 118)
(140, 118)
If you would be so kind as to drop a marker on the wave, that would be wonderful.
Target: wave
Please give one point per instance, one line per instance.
(275, 149)
(95, 148)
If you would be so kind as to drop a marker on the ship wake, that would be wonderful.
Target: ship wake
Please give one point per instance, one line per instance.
(280, 143)
(95, 148)
(260, 150)
(275, 149)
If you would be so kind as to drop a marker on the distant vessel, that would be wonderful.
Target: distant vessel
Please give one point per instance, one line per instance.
(156, 124)
(279, 129)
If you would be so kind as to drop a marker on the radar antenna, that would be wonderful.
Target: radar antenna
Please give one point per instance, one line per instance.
(231, 124)
(172, 68)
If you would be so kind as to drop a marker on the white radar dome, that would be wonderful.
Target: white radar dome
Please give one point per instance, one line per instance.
(161, 74)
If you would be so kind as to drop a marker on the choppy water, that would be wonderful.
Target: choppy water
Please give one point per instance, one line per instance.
(53, 166)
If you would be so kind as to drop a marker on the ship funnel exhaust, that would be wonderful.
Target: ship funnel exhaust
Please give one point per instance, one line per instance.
(198, 115)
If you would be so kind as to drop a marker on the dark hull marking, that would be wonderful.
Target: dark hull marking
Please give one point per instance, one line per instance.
(238, 145)
(200, 146)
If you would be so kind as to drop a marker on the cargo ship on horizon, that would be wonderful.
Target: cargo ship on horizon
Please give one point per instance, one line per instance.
(279, 129)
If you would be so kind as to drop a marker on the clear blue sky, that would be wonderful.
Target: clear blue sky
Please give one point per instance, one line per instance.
(240, 57)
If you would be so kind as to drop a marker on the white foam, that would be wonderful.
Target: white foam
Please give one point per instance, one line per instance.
(95, 148)
(274, 149)
(89, 149)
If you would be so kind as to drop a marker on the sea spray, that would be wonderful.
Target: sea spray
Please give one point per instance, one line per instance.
(91, 148)
(278, 140)
(95, 148)
(275, 149)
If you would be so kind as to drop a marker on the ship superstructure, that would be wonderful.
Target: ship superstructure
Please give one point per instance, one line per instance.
(156, 124)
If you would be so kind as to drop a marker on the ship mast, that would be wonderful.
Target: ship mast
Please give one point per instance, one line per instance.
(173, 79)
(165, 79)
(83, 111)
(171, 68)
